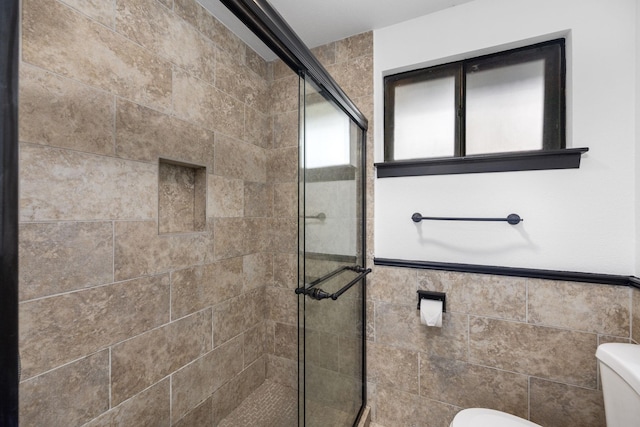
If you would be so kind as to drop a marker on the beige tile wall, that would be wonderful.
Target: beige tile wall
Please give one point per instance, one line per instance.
(523, 346)
(121, 324)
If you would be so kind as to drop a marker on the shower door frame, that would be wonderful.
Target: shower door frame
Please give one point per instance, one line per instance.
(9, 57)
(267, 24)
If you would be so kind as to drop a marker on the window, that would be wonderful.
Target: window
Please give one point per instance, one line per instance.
(483, 114)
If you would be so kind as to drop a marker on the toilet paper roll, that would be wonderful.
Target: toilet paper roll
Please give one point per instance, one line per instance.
(431, 312)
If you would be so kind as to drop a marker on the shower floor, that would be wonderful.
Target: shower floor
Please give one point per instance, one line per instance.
(270, 405)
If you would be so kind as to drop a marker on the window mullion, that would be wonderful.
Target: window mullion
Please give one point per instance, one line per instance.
(460, 150)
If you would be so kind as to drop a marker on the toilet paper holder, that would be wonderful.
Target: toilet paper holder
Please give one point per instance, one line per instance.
(437, 296)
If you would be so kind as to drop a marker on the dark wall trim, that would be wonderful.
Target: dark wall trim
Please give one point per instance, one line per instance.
(569, 276)
(271, 28)
(505, 162)
(9, 36)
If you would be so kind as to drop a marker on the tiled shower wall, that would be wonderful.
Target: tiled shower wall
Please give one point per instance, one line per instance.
(120, 322)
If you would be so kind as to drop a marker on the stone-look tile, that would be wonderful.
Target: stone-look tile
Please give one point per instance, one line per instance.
(635, 332)
(285, 200)
(254, 343)
(258, 128)
(61, 257)
(145, 359)
(285, 235)
(320, 348)
(282, 305)
(355, 77)
(149, 408)
(201, 416)
(257, 270)
(177, 198)
(101, 11)
(228, 237)
(343, 315)
(580, 306)
(140, 251)
(354, 47)
(285, 270)
(207, 24)
(466, 385)
(559, 405)
(155, 27)
(283, 165)
(237, 159)
(554, 354)
(281, 70)
(59, 184)
(257, 64)
(401, 373)
(371, 325)
(478, 294)
(235, 79)
(64, 113)
(237, 315)
(284, 94)
(400, 409)
(603, 339)
(258, 199)
(282, 371)
(61, 40)
(198, 287)
(226, 197)
(326, 53)
(230, 395)
(260, 235)
(285, 129)
(336, 390)
(146, 135)
(86, 393)
(399, 326)
(200, 379)
(395, 285)
(201, 103)
(286, 341)
(63, 328)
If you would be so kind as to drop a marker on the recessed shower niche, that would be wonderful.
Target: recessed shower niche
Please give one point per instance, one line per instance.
(182, 197)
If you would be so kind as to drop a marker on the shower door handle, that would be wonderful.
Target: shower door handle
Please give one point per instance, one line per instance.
(319, 294)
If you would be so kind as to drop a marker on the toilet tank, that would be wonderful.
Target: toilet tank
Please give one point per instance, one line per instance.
(620, 374)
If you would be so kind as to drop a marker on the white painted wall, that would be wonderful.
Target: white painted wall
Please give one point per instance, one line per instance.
(576, 219)
(637, 139)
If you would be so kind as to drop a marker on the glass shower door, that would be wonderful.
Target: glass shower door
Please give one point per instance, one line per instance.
(331, 276)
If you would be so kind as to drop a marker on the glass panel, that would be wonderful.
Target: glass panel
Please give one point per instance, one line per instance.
(424, 119)
(332, 226)
(505, 108)
(327, 134)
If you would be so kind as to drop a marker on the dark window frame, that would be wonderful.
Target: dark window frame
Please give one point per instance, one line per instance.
(554, 131)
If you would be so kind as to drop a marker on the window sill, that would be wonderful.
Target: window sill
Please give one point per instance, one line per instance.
(504, 162)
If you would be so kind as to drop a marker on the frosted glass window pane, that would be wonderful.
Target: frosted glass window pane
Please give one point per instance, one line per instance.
(505, 109)
(424, 119)
(327, 135)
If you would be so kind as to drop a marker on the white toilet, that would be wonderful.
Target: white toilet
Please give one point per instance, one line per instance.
(481, 417)
(620, 373)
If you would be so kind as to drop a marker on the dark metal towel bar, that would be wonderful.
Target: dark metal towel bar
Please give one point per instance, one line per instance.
(512, 219)
(318, 294)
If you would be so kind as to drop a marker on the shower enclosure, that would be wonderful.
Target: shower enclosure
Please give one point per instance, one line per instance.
(331, 264)
(331, 230)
